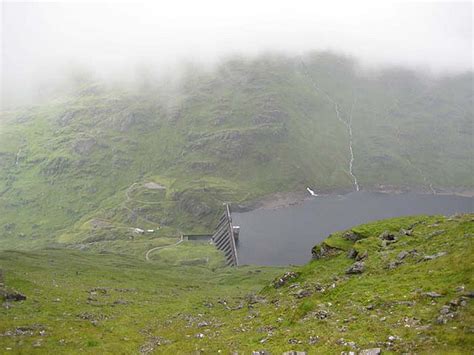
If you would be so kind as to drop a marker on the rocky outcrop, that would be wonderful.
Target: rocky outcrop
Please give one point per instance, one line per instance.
(408, 232)
(130, 120)
(285, 278)
(374, 351)
(66, 118)
(56, 166)
(450, 310)
(193, 205)
(14, 296)
(84, 146)
(434, 256)
(6, 295)
(352, 254)
(234, 143)
(386, 235)
(202, 166)
(323, 250)
(362, 256)
(352, 236)
(357, 268)
(402, 255)
(394, 264)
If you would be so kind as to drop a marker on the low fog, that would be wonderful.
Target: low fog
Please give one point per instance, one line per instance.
(42, 43)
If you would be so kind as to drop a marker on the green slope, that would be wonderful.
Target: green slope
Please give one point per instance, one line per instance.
(87, 302)
(246, 129)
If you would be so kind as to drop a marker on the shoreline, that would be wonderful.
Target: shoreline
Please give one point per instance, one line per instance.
(287, 199)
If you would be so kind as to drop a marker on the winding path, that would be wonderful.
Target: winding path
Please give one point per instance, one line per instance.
(147, 254)
(128, 198)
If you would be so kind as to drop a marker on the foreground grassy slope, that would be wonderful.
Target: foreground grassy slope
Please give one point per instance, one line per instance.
(413, 295)
(243, 130)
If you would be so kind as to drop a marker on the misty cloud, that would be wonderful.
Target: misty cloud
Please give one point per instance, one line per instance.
(42, 41)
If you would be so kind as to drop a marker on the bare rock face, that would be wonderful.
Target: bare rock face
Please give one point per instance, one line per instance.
(356, 268)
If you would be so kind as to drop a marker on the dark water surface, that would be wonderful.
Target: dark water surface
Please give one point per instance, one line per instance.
(286, 235)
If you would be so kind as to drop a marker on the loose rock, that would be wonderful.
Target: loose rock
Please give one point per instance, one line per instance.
(13, 296)
(393, 264)
(436, 233)
(402, 255)
(386, 235)
(356, 268)
(362, 256)
(352, 254)
(434, 256)
(351, 235)
(407, 232)
(374, 351)
(283, 280)
(302, 293)
(324, 250)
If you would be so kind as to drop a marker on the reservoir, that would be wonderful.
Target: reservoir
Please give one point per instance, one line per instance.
(286, 235)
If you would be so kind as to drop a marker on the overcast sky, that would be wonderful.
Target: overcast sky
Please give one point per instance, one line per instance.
(40, 40)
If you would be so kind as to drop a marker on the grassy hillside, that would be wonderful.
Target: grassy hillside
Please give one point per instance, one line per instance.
(238, 132)
(414, 294)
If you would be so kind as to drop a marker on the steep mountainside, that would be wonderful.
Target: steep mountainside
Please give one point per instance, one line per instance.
(401, 285)
(235, 133)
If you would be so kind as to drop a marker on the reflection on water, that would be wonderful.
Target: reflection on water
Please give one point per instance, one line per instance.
(286, 235)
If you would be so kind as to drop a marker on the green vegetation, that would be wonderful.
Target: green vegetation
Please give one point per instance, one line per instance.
(244, 130)
(94, 178)
(414, 295)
